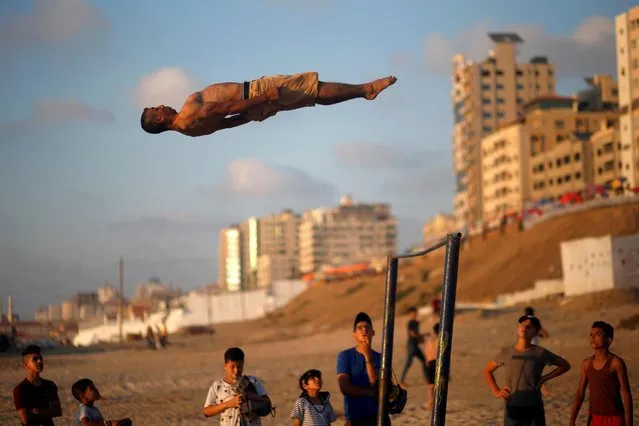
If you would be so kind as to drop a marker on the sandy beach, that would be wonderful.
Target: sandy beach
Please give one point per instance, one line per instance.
(168, 387)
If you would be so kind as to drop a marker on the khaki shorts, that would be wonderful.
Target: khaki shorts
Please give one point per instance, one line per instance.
(297, 89)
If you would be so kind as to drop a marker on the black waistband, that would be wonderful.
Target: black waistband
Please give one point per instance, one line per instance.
(247, 87)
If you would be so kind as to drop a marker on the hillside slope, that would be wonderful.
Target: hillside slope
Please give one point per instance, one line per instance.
(501, 264)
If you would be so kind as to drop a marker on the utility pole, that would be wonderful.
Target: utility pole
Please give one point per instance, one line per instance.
(120, 313)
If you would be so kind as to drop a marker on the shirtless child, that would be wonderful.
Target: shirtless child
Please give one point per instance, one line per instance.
(431, 362)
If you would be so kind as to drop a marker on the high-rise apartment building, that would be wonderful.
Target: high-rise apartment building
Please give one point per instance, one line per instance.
(485, 95)
(346, 233)
(250, 234)
(548, 151)
(230, 259)
(268, 249)
(627, 38)
(278, 256)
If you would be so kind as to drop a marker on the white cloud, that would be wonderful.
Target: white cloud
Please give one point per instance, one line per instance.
(53, 112)
(166, 86)
(51, 21)
(589, 49)
(374, 155)
(251, 176)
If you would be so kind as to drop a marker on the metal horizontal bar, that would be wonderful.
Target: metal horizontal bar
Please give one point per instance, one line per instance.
(434, 247)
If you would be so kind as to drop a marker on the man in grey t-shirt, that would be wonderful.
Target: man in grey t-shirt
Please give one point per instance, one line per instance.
(524, 364)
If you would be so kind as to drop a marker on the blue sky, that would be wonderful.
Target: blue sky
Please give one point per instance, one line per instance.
(81, 184)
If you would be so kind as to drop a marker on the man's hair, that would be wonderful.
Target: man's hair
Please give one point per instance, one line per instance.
(362, 317)
(32, 350)
(309, 375)
(534, 321)
(608, 330)
(436, 328)
(149, 125)
(80, 387)
(233, 354)
(412, 309)
(529, 310)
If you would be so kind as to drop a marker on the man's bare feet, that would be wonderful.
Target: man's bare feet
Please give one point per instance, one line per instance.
(377, 86)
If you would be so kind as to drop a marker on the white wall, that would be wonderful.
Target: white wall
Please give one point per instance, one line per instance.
(626, 260)
(596, 264)
(201, 309)
(541, 289)
(587, 265)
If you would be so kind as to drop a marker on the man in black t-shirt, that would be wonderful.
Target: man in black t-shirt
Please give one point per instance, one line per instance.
(36, 399)
(413, 349)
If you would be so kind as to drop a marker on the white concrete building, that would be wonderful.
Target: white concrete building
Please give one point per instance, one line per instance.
(598, 264)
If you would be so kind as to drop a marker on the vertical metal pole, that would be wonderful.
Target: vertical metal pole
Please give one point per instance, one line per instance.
(449, 292)
(387, 338)
(120, 313)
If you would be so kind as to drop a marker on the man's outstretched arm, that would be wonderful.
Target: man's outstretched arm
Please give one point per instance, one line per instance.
(237, 107)
(234, 121)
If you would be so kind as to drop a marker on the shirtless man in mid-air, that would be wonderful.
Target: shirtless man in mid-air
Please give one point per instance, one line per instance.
(227, 105)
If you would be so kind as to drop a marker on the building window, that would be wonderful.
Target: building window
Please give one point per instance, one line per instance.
(577, 156)
(500, 86)
(487, 114)
(485, 87)
(485, 101)
(520, 87)
(559, 124)
(500, 114)
(578, 175)
(500, 100)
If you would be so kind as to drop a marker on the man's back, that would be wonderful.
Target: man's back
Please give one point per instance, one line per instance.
(413, 326)
(431, 348)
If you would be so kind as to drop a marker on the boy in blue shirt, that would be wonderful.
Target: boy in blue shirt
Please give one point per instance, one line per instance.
(357, 375)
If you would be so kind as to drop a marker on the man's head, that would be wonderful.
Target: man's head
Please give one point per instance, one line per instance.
(32, 359)
(234, 363)
(529, 327)
(412, 312)
(528, 310)
(157, 119)
(84, 390)
(363, 328)
(436, 328)
(601, 335)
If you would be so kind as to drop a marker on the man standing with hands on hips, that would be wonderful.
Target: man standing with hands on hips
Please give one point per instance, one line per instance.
(358, 373)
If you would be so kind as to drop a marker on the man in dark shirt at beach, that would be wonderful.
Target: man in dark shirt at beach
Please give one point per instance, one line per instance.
(36, 399)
